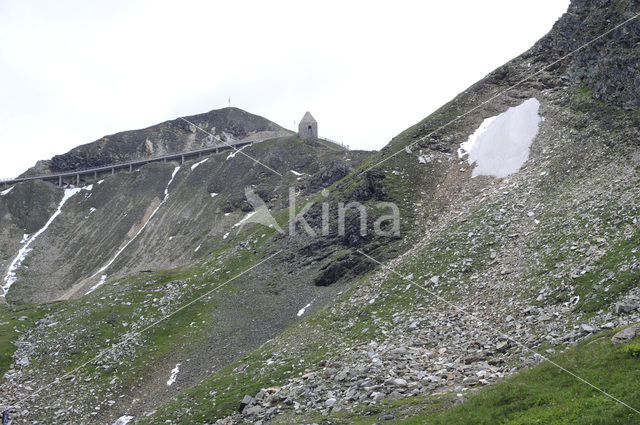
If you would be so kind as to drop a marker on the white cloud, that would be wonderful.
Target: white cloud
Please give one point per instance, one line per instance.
(72, 71)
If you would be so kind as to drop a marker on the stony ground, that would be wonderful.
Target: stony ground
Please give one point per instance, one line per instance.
(489, 275)
(512, 271)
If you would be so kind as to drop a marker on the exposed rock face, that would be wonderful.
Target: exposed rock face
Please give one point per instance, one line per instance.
(227, 125)
(609, 66)
(333, 172)
(100, 222)
(535, 262)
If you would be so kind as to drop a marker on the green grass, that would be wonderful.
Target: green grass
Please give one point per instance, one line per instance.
(541, 395)
(547, 395)
(596, 290)
(330, 145)
(102, 319)
(633, 349)
(220, 394)
(13, 322)
(581, 93)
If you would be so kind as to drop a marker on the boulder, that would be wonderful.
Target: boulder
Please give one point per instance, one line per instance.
(626, 335)
(246, 400)
(586, 328)
(625, 308)
(254, 411)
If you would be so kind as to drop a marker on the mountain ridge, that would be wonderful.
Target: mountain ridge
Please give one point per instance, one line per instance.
(172, 136)
(486, 277)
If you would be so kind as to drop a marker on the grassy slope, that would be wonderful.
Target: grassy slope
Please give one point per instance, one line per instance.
(545, 394)
(219, 394)
(540, 395)
(13, 322)
(110, 313)
(104, 320)
(322, 334)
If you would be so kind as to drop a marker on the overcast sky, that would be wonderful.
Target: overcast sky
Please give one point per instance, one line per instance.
(74, 71)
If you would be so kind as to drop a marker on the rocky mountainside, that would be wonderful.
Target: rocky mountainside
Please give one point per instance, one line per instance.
(206, 316)
(151, 219)
(227, 125)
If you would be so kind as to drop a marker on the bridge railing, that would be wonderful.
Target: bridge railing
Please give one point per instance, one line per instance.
(335, 142)
(170, 156)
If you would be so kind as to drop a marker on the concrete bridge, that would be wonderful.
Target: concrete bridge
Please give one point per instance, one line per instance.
(78, 177)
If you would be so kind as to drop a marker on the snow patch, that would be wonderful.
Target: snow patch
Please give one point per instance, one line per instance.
(91, 211)
(103, 279)
(213, 194)
(194, 166)
(303, 309)
(197, 249)
(123, 420)
(466, 146)
(101, 181)
(174, 375)
(5, 192)
(235, 152)
(25, 238)
(244, 219)
(500, 146)
(11, 276)
(226, 235)
(296, 173)
(166, 196)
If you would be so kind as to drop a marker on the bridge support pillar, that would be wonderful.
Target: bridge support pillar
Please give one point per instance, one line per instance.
(199, 155)
(78, 179)
(60, 181)
(182, 160)
(113, 170)
(130, 168)
(216, 150)
(95, 175)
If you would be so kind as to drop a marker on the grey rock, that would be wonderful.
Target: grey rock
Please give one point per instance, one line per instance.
(254, 411)
(626, 335)
(246, 400)
(377, 396)
(587, 328)
(502, 346)
(400, 382)
(625, 308)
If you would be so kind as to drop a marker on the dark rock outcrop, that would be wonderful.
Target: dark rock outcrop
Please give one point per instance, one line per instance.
(226, 125)
(608, 66)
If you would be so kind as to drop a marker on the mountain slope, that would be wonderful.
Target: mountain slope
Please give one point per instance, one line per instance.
(535, 256)
(104, 226)
(486, 275)
(227, 125)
